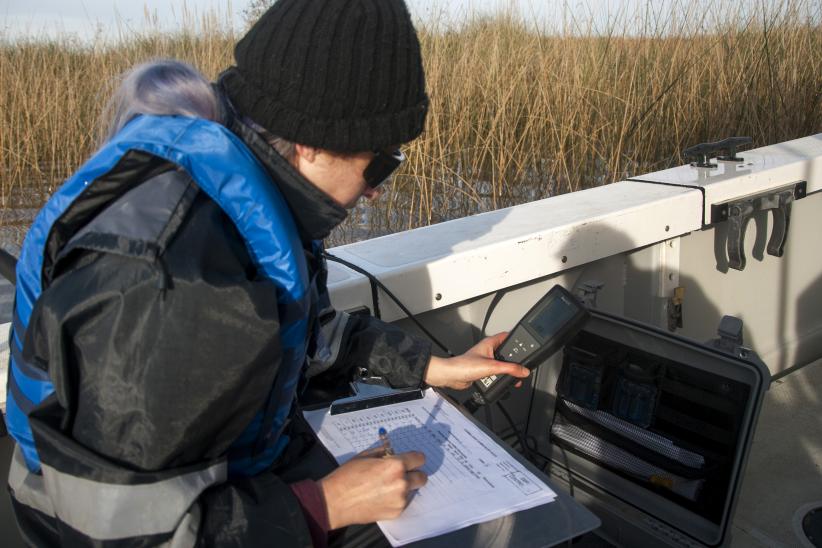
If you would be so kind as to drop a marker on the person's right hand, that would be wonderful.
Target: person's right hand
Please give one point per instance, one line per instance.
(366, 488)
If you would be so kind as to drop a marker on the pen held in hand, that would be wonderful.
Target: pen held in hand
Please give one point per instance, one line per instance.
(386, 443)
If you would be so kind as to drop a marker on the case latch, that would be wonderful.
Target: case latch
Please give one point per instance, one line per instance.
(730, 334)
(731, 341)
(739, 212)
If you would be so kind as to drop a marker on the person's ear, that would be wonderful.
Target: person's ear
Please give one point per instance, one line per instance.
(305, 152)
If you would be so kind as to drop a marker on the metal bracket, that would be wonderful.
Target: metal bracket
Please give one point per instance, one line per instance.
(358, 311)
(364, 376)
(738, 212)
(587, 292)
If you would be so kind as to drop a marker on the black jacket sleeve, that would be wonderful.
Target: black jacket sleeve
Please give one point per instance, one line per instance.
(349, 347)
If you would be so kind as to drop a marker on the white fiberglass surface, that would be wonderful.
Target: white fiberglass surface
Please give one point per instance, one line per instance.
(658, 205)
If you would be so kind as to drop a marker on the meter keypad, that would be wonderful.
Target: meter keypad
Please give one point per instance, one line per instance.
(519, 346)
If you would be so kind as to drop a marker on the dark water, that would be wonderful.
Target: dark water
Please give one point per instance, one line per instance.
(409, 201)
(402, 206)
(14, 223)
(399, 209)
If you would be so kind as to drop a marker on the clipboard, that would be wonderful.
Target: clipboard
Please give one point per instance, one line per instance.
(360, 403)
(473, 478)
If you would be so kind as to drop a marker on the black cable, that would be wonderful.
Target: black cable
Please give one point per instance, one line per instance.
(374, 281)
(535, 451)
(525, 448)
(491, 307)
(571, 489)
(506, 433)
(375, 298)
(522, 440)
(568, 468)
(531, 401)
(489, 420)
(471, 406)
(530, 442)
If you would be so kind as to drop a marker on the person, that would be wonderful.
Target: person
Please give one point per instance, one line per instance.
(172, 314)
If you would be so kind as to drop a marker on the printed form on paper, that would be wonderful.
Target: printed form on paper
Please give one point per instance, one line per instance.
(471, 479)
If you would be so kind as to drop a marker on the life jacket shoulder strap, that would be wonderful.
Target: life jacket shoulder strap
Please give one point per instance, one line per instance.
(140, 223)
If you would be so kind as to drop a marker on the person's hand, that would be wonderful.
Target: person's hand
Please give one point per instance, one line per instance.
(478, 362)
(370, 488)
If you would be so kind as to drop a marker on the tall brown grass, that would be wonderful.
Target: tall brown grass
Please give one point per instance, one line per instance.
(52, 93)
(516, 114)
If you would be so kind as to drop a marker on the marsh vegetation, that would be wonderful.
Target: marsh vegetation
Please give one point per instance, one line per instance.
(518, 112)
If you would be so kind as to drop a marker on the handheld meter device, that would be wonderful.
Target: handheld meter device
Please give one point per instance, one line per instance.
(547, 327)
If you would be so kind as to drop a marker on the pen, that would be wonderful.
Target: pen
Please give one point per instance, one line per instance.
(386, 443)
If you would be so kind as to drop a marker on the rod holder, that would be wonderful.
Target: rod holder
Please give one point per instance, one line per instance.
(738, 212)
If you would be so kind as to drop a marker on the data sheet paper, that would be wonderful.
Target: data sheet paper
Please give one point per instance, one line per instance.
(471, 479)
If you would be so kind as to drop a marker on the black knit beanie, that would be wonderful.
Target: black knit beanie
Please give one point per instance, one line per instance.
(342, 75)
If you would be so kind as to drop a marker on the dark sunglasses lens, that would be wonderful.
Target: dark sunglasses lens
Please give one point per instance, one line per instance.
(382, 166)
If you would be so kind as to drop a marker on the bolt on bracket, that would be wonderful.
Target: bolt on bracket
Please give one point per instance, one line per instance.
(738, 212)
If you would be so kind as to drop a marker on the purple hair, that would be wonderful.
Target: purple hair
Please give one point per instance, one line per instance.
(162, 87)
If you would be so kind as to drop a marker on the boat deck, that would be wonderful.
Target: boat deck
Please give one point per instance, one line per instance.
(784, 472)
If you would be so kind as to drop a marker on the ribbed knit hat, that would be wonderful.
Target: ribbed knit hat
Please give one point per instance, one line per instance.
(342, 75)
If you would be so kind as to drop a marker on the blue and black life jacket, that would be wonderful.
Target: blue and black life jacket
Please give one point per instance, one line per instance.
(223, 168)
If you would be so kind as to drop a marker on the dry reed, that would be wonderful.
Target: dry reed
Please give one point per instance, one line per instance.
(516, 114)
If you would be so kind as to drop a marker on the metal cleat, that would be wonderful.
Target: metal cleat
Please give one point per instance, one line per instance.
(703, 152)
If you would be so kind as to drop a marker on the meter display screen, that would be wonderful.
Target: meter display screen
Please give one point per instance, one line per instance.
(551, 318)
(554, 320)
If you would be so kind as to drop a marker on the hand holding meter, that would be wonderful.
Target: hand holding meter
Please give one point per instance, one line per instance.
(546, 328)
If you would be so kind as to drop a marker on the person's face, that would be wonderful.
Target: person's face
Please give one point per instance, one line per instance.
(340, 176)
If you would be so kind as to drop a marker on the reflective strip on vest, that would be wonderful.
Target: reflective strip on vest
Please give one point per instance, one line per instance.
(121, 511)
(26, 487)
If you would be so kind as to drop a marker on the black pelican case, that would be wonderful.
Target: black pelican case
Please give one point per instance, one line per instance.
(651, 430)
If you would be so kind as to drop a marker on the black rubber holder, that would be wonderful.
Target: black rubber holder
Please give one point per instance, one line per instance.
(812, 526)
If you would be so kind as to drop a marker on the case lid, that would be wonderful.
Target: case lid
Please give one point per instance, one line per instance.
(744, 374)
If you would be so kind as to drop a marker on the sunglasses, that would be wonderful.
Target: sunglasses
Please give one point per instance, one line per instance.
(385, 162)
